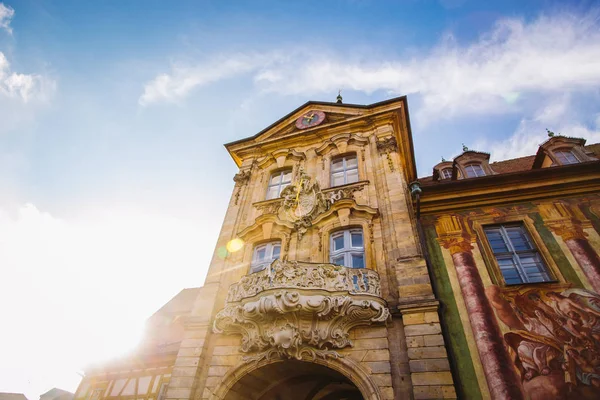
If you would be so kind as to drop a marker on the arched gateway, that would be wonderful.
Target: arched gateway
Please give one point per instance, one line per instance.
(295, 380)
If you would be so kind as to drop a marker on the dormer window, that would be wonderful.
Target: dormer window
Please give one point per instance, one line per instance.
(474, 171)
(446, 173)
(565, 157)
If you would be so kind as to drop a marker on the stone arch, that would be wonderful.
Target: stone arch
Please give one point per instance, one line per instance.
(346, 367)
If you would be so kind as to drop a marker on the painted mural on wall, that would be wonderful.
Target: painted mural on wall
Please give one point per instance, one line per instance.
(554, 339)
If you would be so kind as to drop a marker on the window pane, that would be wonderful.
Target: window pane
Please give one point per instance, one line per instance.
(276, 251)
(496, 241)
(337, 164)
(352, 176)
(357, 239)
(338, 242)
(275, 178)
(446, 173)
(337, 179)
(518, 239)
(516, 254)
(338, 260)
(358, 261)
(260, 254)
(287, 176)
(273, 192)
(474, 170)
(566, 157)
(351, 162)
(509, 270)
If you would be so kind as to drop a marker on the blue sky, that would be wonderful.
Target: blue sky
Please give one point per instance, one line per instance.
(113, 177)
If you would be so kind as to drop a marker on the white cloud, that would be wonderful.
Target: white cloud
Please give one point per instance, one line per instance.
(23, 86)
(6, 15)
(182, 79)
(558, 115)
(80, 291)
(548, 55)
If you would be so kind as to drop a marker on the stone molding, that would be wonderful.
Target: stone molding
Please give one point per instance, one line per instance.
(300, 275)
(302, 202)
(300, 310)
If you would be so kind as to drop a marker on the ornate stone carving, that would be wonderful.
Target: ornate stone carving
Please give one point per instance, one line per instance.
(297, 275)
(387, 145)
(269, 207)
(300, 310)
(302, 201)
(344, 193)
(240, 179)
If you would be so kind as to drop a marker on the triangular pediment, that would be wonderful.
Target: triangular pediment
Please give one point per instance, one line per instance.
(333, 114)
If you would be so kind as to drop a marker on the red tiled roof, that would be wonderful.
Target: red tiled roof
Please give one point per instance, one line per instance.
(515, 164)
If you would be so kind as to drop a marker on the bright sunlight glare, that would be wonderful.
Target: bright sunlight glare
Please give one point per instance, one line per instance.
(85, 288)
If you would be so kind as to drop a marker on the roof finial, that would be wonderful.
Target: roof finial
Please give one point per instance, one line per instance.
(465, 148)
(339, 97)
(443, 159)
(550, 133)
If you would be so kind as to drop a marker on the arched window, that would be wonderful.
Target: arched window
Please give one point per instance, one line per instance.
(565, 157)
(347, 248)
(446, 173)
(264, 254)
(278, 181)
(344, 170)
(474, 170)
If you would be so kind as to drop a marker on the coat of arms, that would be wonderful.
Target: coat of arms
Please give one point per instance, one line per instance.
(302, 201)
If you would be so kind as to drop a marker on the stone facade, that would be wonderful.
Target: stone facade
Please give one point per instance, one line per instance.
(373, 330)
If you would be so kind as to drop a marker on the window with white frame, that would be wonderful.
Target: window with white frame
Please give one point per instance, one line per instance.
(474, 170)
(264, 254)
(347, 248)
(446, 173)
(344, 170)
(516, 254)
(278, 181)
(565, 157)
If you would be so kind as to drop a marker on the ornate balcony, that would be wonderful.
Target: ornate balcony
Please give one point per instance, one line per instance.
(301, 310)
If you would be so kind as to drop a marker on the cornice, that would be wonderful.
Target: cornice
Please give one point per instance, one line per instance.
(520, 186)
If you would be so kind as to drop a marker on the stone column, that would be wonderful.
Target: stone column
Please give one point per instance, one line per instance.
(497, 366)
(568, 223)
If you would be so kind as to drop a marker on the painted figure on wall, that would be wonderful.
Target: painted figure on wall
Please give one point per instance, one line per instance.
(554, 339)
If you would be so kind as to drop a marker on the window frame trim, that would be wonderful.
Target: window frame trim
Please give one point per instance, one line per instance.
(442, 173)
(489, 259)
(514, 254)
(269, 245)
(281, 172)
(565, 150)
(471, 164)
(344, 169)
(347, 252)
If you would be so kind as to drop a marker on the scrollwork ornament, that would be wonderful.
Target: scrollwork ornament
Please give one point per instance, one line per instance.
(278, 313)
(387, 145)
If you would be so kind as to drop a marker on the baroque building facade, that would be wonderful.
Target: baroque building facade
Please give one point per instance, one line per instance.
(513, 250)
(334, 265)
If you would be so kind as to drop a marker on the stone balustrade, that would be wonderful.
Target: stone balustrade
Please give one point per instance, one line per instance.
(301, 275)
